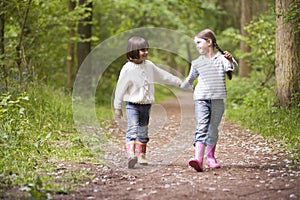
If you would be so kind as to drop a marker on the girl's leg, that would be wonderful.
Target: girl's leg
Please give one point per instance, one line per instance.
(143, 133)
(131, 133)
(144, 116)
(202, 114)
(217, 110)
(132, 113)
(202, 110)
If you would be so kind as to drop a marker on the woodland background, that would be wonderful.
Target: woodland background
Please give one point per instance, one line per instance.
(43, 43)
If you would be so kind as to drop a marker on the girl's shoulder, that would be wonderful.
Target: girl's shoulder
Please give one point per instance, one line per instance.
(198, 60)
(128, 67)
(132, 67)
(221, 58)
(150, 63)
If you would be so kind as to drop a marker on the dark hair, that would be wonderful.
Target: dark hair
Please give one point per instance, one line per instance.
(135, 44)
(209, 34)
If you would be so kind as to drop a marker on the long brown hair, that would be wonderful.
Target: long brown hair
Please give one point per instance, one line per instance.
(209, 34)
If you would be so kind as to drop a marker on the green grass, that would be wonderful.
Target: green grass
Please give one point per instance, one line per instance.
(36, 134)
(255, 108)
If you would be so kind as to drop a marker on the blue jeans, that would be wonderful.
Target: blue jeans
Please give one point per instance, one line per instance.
(208, 117)
(138, 120)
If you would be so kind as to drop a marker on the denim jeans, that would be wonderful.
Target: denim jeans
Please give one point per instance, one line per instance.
(138, 120)
(208, 117)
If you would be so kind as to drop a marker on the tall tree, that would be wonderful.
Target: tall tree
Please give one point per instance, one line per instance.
(19, 51)
(246, 16)
(3, 73)
(287, 54)
(84, 31)
(84, 45)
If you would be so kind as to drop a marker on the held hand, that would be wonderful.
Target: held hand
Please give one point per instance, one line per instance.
(186, 86)
(228, 56)
(118, 113)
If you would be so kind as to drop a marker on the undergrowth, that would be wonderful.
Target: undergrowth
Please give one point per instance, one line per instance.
(36, 135)
(255, 107)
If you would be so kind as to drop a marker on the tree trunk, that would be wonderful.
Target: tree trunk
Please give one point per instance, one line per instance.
(19, 51)
(246, 16)
(85, 33)
(84, 47)
(287, 57)
(70, 51)
(3, 73)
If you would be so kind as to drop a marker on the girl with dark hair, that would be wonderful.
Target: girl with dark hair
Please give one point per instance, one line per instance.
(136, 87)
(209, 94)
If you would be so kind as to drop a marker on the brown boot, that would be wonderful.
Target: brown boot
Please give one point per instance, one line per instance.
(142, 153)
(130, 149)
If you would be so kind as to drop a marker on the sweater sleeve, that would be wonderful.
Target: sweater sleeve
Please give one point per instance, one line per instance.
(231, 66)
(188, 82)
(162, 76)
(122, 85)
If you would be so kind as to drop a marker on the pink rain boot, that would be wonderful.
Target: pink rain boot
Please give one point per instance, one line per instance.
(142, 153)
(210, 158)
(197, 162)
(130, 149)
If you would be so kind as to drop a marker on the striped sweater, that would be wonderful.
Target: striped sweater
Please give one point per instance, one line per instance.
(211, 77)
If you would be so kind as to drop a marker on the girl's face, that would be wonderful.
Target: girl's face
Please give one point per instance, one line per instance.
(143, 53)
(202, 45)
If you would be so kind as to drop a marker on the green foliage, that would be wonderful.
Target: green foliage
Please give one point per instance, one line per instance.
(255, 107)
(252, 102)
(173, 14)
(36, 133)
(43, 42)
(261, 40)
(293, 14)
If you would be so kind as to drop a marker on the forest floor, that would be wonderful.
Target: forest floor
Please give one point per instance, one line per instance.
(251, 168)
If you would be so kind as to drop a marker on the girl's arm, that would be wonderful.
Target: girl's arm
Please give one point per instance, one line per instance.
(188, 83)
(122, 85)
(233, 65)
(162, 76)
(233, 62)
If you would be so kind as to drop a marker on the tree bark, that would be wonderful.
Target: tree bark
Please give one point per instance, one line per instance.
(84, 47)
(85, 33)
(3, 74)
(19, 52)
(246, 16)
(70, 50)
(287, 57)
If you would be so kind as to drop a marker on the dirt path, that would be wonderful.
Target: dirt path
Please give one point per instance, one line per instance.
(251, 167)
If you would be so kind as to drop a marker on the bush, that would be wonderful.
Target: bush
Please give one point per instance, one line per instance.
(255, 107)
(37, 133)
